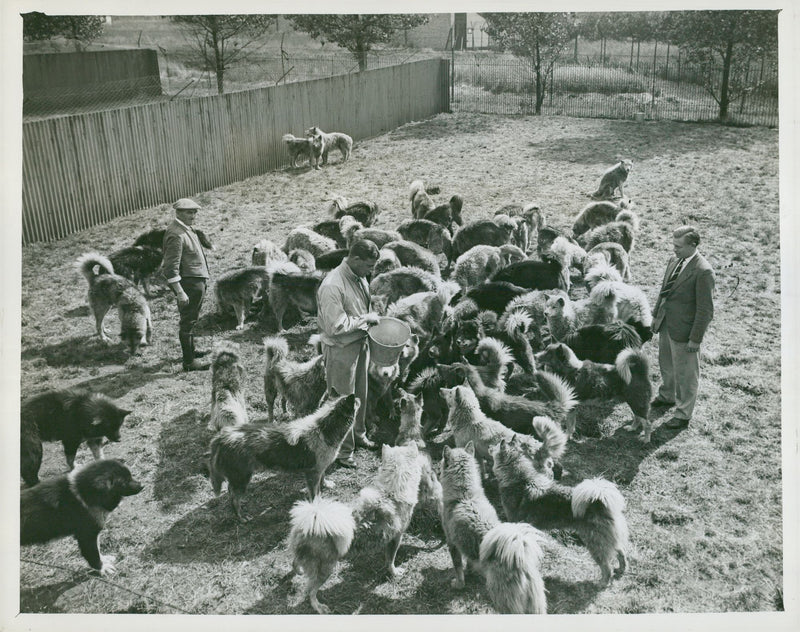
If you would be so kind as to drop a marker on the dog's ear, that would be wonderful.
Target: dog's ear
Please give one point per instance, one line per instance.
(470, 448)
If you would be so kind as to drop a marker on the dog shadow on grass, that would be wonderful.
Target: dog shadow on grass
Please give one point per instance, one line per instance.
(79, 351)
(118, 383)
(615, 455)
(43, 598)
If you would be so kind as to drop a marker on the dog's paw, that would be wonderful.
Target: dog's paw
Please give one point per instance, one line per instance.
(107, 567)
(396, 572)
(321, 608)
(328, 483)
(457, 583)
(239, 327)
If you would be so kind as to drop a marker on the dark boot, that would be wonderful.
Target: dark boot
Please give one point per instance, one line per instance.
(190, 363)
(198, 353)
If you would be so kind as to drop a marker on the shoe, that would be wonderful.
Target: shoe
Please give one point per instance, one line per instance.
(676, 423)
(363, 442)
(347, 462)
(196, 365)
(660, 402)
(199, 354)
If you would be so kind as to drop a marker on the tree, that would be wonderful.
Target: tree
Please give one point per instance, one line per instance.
(356, 33)
(539, 38)
(81, 29)
(222, 40)
(711, 37)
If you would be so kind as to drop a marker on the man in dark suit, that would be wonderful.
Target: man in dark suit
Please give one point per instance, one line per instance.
(682, 313)
(186, 270)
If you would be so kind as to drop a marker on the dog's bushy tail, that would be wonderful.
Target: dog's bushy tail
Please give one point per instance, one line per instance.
(276, 350)
(629, 217)
(554, 441)
(556, 389)
(509, 557)
(87, 262)
(288, 138)
(415, 187)
(319, 521)
(632, 362)
(602, 499)
(498, 352)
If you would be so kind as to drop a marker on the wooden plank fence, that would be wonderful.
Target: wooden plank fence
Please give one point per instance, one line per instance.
(82, 170)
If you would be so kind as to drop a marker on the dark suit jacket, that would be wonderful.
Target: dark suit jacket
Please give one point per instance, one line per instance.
(688, 309)
(183, 254)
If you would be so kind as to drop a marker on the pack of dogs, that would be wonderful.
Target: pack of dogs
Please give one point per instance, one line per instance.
(503, 354)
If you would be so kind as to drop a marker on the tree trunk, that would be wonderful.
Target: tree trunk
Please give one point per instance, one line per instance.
(219, 63)
(361, 56)
(540, 87)
(724, 97)
(575, 56)
(630, 65)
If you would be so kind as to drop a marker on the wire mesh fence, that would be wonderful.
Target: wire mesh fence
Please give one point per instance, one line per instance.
(663, 88)
(180, 79)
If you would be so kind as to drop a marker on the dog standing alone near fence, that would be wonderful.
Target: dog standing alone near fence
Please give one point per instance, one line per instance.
(339, 140)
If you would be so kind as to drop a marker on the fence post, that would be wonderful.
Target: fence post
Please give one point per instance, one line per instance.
(653, 93)
(666, 66)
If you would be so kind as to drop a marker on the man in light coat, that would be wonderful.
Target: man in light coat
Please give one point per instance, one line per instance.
(344, 315)
(186, 270)
(683, 311)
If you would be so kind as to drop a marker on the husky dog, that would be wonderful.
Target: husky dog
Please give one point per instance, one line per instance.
(227, 387)
(481, 231)
(311, 147)
(421, 202)
(602, 343)
(137, 264)
(596, 214)
(429, 383)
(428, 234)
(447, 214)
(549, 274)
(76, 504)
(309, 444)
(507, 554)
(615, 254)
(237, 289)
(612, 180)
(628, 378)
(412, 254)
(107, 289)
(385, 507)
(71, 416)
(593, 508)
(471, 425)
(339, 140)
(401, 282)
(154, 238)
(305, 238)
(515, 411)
(320, 535)
(622, 231)
(265, 252)
(365, 213)
(301, 384)
(299, 290)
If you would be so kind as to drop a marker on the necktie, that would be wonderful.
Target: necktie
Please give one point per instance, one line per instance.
(672, 278)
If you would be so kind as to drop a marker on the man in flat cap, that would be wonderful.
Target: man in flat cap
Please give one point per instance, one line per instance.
(186, 270)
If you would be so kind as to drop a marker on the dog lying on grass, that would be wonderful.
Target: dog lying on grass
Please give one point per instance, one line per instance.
(107, 289)
(227, 387)
(300, 384)
(508, 555)
(593, 508)
(71, 416)
(311, 147)
(309, 444)
(76, 504)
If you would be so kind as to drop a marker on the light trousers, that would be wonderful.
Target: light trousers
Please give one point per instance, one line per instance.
(680, 374)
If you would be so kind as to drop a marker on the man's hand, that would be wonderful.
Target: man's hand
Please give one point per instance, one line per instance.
(692, 347)
(371, 319)
(183, 300)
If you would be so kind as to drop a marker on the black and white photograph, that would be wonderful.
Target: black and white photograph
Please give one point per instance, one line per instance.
(316, 312)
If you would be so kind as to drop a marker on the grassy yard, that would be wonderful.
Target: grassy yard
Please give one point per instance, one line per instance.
(704, 505)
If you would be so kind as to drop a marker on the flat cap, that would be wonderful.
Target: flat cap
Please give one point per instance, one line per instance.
(185, 204)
